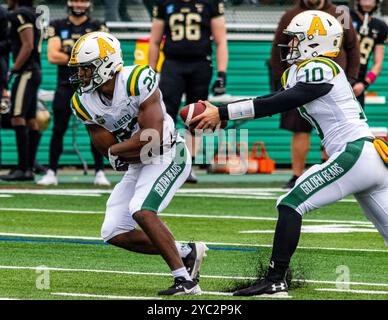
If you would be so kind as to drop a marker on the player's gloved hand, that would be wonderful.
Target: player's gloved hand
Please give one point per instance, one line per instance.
(219, 86)
(5, 105)
(116, 163)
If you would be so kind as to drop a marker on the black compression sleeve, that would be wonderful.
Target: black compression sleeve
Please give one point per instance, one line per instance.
(223, 109)
(285, 100)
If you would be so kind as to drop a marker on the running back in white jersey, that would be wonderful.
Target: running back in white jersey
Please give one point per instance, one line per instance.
(337, 116)
(134, 84)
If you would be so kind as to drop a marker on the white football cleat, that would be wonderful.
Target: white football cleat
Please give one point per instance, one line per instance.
(100, 179)
(49, 179)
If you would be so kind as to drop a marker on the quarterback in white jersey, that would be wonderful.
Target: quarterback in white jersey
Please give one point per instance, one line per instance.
(125, 104)
(358, 162)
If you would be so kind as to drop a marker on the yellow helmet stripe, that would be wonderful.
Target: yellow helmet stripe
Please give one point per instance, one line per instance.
(75, 50)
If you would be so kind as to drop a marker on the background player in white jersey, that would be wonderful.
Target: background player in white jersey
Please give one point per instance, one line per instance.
(125, 102)
(355, 166)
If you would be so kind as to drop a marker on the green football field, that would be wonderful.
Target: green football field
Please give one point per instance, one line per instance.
(50, 245)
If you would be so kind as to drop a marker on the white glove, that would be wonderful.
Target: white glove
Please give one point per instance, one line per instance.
(116, 163)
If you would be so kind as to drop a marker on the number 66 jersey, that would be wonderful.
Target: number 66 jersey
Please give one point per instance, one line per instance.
(337, 116)
(134, 84)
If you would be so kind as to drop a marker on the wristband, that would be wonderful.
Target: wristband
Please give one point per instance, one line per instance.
(371, 76)
(366, 84)
(241, 110)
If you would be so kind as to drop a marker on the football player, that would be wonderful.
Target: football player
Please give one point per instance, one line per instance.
(62, 34)
(126, 101)
(26, 40)
(373, 35)
(189, 28)
(320, 85)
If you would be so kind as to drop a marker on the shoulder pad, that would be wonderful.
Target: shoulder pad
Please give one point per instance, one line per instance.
(141, 80)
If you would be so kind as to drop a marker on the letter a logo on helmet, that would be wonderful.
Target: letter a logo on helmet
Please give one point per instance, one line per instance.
(313, 33)
(316, 27)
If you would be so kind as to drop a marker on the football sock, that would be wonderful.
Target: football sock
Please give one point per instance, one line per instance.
(22, 145)
(34, 138)
(286, 239)
(56, 149)
(181, 272)
(183, 249)
(98, 159)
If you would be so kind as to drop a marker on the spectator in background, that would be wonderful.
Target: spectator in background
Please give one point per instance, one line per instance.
(348, 59)
(188, 27)
(62, 34)
(26, 47)
(373, 36)
(4, 57)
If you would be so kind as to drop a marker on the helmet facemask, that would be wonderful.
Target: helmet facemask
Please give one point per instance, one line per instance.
(87, 84)
(290, 52)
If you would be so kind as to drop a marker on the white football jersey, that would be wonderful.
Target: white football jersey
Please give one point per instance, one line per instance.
(337, 116)
(134, 84)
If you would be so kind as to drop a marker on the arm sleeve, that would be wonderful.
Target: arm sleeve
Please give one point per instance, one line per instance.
(282, 101)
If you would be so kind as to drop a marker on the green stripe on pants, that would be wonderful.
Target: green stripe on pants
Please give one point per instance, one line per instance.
(322, 178)
(165, 181)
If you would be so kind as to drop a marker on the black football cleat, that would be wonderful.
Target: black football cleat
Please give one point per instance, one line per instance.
(194, 259)
(291, 183)
(265, 287)
(180, 287)
(192, 178)
(18, 175)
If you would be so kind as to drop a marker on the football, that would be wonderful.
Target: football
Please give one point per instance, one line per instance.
(192, 110)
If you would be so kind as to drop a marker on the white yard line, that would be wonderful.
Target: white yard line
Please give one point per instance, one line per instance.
(352, 291)
(30, 235)
(39, 210)
(234, 193)
(50, 236)
(87, 295)
(237, 196)
(185, 215)
(164, 274)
